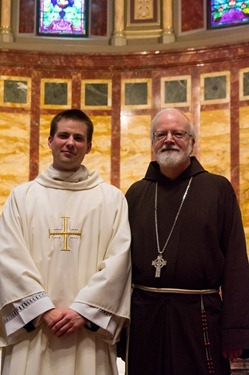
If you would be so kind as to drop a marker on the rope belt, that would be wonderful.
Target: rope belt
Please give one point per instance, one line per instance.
(175, 290)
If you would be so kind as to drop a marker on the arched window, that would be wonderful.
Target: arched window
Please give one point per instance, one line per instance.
(227, 13)
(62, 18)
(93, 18)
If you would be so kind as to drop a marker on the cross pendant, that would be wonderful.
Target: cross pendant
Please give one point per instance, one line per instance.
(158, 263)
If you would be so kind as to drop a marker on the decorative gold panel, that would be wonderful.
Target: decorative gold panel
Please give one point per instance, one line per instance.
(96, 93)
(56, 93)
(143, 13)
(176, 91)
(215, 88)
(15, 92)
(136, 93)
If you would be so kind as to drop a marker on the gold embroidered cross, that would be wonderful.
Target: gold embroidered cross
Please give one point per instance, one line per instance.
(65, 232)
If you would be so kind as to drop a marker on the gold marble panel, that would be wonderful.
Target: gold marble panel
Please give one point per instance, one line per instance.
(45, 156)
(143, 9)
(14, 152)
(176, 103)
(135, 150)
(244, 169)
(24, 83)
(141, 14)
(55, 106)
(99, 157)
(202, 84)
(214, 140)
(108, 82)
(131, 81)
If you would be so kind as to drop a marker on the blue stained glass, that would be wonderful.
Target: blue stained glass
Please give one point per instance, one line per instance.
(62, 17)
(228, 13)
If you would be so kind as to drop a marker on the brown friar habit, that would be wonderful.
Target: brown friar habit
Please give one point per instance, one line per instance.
(168, 334)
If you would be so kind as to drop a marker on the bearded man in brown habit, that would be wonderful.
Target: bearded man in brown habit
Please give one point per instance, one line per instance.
(188, 249)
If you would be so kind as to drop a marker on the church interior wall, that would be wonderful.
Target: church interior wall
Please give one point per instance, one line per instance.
(121, 90)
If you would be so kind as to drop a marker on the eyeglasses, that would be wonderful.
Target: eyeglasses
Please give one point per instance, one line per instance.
(175, 134)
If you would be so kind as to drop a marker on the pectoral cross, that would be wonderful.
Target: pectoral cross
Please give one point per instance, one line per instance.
(159, 263)
(65, 232)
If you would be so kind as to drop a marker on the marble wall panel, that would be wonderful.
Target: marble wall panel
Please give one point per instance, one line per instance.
(15, 91)
(96, 94)
(135, 149)
(136, 93)
(99, 10)
(99, 158)
(215, 87)
(214, 141)
(56, 93)
(45, 156)
(26, 16)
(175, 91)
(192, 17)
(14, 152)
(244, 168)
(244, 84)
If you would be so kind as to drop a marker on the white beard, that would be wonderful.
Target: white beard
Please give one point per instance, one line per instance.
(172, 159)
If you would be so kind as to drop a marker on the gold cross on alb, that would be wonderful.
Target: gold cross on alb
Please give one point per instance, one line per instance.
(65, 232)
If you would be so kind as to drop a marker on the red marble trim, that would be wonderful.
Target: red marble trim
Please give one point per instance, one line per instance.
(234, 133)
(76, 91)
(26, 16)
(214, 106)
(192, 16)
(115, 139)
(117, 62)
(34, 126)
(99, 17)
(244, 103)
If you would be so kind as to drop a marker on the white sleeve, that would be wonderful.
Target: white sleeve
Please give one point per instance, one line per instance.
(25, 310)
(99, 317)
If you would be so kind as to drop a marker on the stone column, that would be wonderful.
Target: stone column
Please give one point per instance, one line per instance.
(5, 29)
(119, 38)
(167, 35)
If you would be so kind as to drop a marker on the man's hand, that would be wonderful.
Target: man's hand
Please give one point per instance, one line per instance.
(232, 354)
(63, 322)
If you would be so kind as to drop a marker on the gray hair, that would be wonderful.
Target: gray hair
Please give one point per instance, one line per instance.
(154, 120)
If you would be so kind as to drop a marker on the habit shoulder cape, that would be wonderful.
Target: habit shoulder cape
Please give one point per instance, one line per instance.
(90, 266)
(206, 251)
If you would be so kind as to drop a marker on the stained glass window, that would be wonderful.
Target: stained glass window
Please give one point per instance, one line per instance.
(62, 17)
(226, 13)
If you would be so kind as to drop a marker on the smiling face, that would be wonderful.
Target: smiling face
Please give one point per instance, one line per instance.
(172, 142)
(69, 144)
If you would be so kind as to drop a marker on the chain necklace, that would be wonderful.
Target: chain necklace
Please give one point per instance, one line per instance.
(159, 262)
